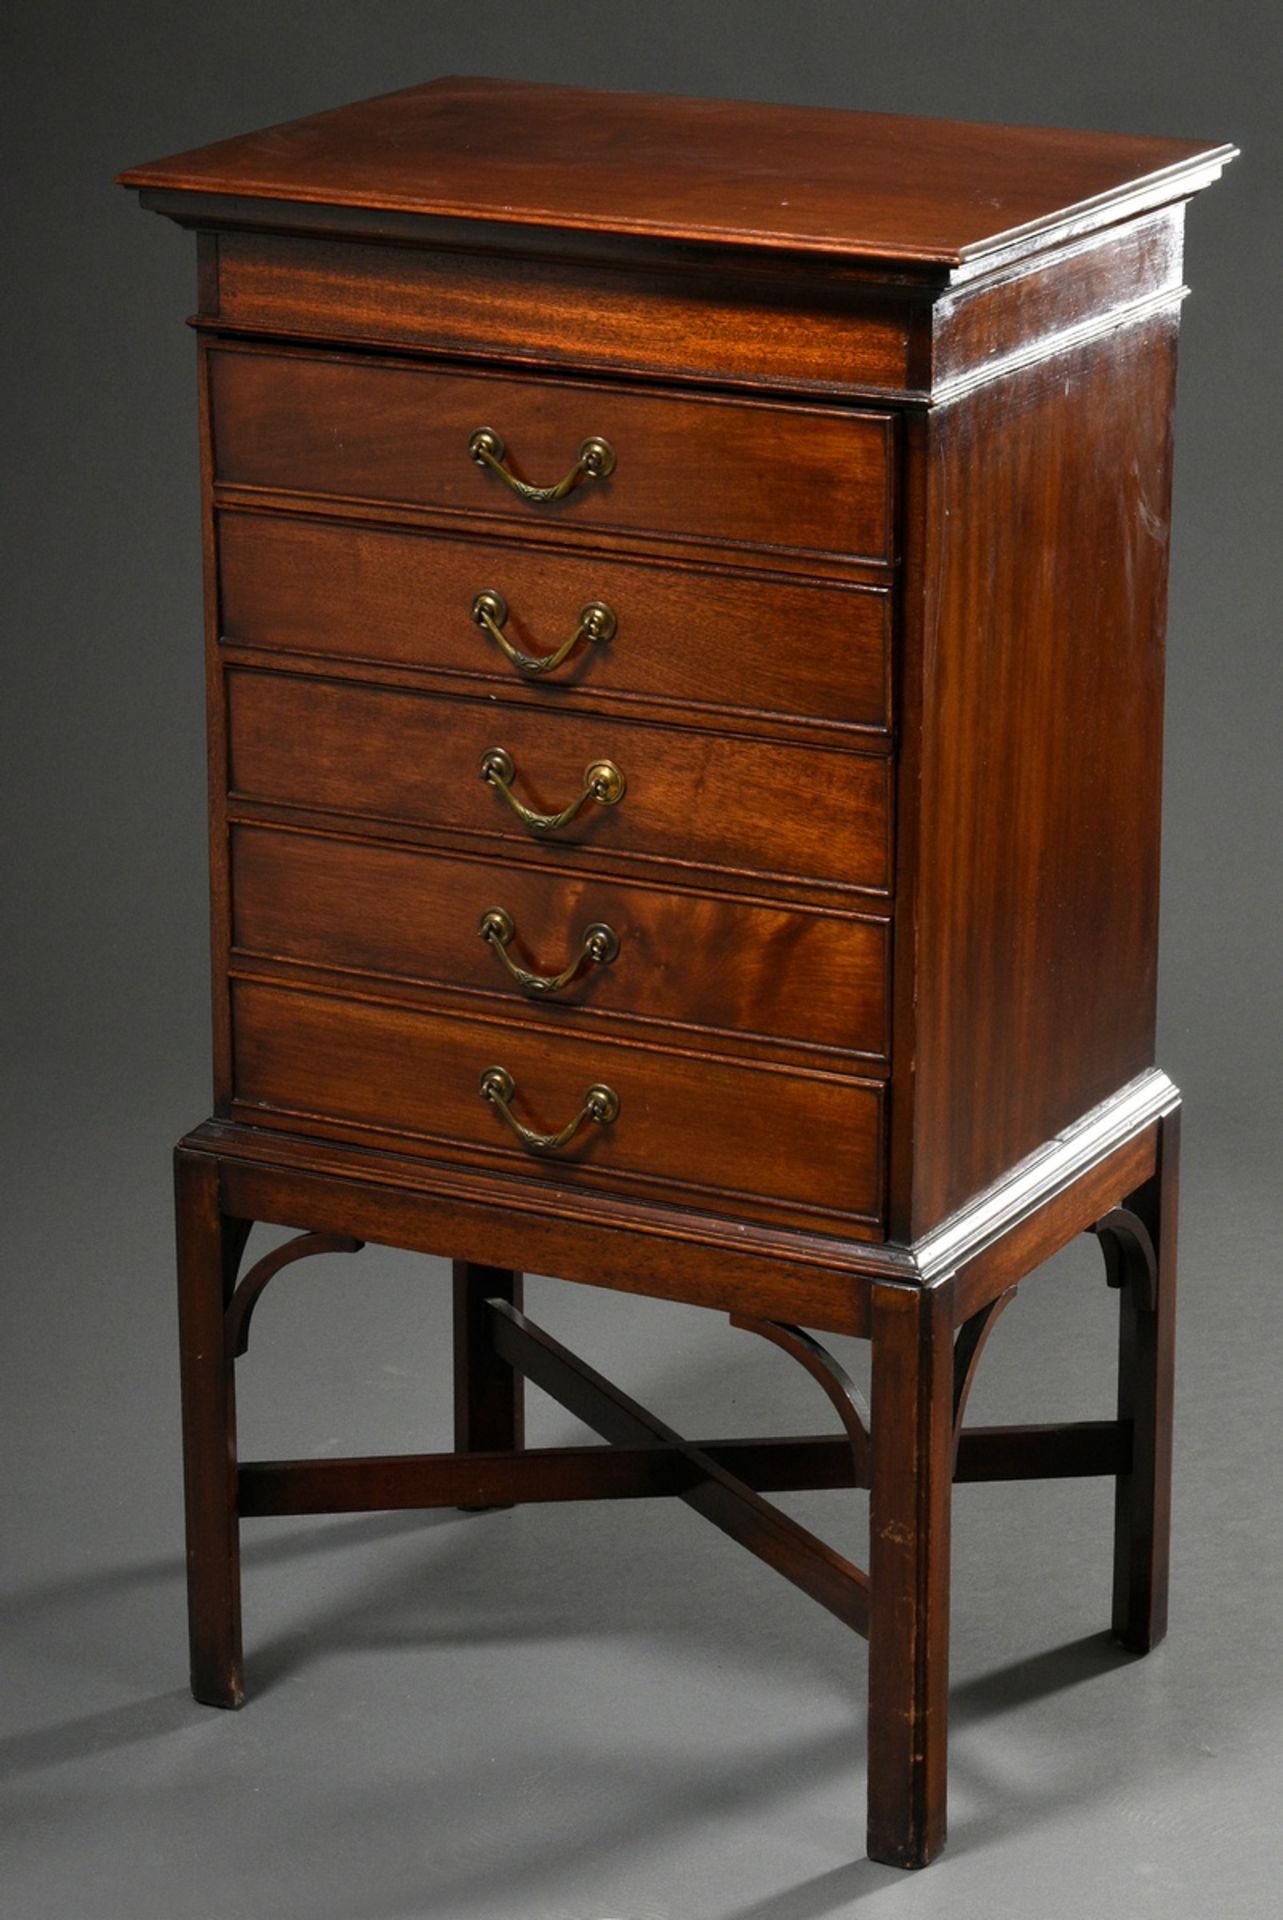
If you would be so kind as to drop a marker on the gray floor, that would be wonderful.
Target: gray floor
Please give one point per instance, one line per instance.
(594, 1711)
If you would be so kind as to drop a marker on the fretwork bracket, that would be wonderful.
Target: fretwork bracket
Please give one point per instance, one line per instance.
(248, 1291)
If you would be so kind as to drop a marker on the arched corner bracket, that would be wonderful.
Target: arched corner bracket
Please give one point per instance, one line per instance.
(249, 1290)
(968, 1345)
(1130, 1257)
(849, 1403)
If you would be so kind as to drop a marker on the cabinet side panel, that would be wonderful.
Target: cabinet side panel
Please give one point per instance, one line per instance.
(216, 735)
(1035, 629)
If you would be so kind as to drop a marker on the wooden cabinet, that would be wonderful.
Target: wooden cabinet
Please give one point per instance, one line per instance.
(685, 609)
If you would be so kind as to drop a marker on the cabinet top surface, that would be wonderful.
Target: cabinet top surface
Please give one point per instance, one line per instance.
(877, 188)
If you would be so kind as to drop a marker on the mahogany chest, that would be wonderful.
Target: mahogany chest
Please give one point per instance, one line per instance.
(684, 630)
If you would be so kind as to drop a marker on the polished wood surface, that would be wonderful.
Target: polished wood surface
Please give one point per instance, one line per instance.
(698, 470)
(489, 1396)
(714, 962)
(1033, 760)
(209, 1246)
(909, 1526)
(870, 186)
(816, 331)
(767, 653)
(1146, 1381)
(675, 1252)
(671, 317)
(472, 1477)
(692, 800)
(795, 1146)
(902, 1604)
(883, 552)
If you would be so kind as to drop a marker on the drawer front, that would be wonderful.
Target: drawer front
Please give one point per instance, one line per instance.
(794, 1145)
(682, 636)
(690, 798)
(787, 330)
(807, 479)
(684, 959)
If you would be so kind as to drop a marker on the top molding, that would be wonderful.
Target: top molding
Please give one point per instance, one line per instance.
(935, 201)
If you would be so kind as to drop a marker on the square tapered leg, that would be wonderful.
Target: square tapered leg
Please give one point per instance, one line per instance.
(489, 1407)
(909, 1511)
(1146, 1369)
(208, 1246)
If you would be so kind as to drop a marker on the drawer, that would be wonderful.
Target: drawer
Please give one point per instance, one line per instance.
(790, 331)
(805, 479)
(684, 959)
(684, 637)
(691, 799)
(786, 1144)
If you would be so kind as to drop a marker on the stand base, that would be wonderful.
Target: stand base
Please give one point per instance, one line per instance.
(927, 1311)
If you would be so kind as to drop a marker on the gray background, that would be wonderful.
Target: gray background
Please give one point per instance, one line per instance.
(582, 1712)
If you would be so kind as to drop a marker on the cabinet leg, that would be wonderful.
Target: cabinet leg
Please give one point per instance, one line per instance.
(489, 1401)
(1146, 1367)
(209, 1246)
(910, 1488)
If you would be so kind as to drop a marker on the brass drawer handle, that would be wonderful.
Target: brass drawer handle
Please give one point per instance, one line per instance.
(598, 948)
(596, 462)
(603, 782)
(490, 611)
(600, 1104)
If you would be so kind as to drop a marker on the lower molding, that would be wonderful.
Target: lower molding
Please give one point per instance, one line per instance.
(1046, 1172)
(814, 1280)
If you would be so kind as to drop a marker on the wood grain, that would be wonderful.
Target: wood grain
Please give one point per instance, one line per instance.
(712, 962)
(489, 1396)
(798, 479)
(909, 1526)
(206, 1272)
(689, 641)
(779, 1143)
(398, 1482)
(869, 187)
(1146, 1384)
(681, 319)
(1031, 762)
(692, 800)
(977, 332)
(891, 402)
